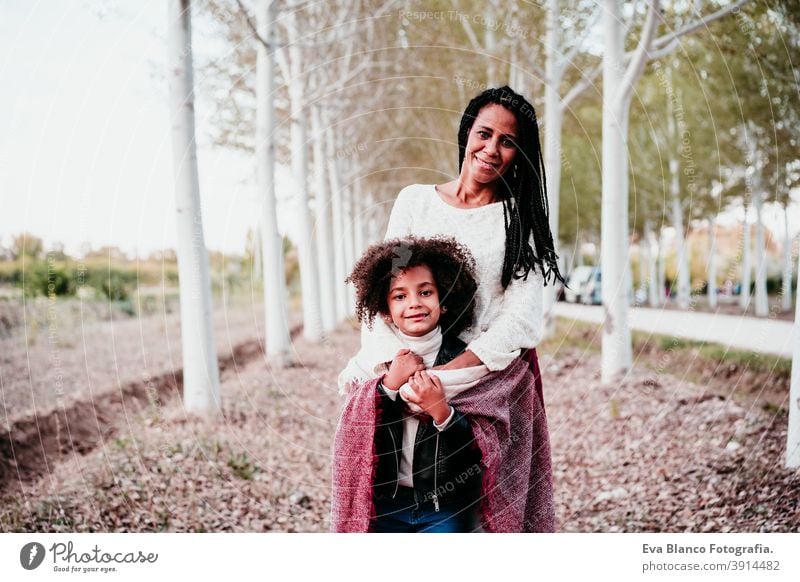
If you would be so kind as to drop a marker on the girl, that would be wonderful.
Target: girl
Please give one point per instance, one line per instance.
(426, 475)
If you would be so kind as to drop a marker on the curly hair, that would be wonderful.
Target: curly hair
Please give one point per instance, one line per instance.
(451, 264)
(523, 191)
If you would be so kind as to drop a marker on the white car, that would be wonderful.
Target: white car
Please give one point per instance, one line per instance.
(576, 283)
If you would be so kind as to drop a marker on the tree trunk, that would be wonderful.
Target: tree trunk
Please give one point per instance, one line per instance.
(349, 246)
(793, 433)
(643, 260)
(323, 226)
(744, 298)
(616, 344)
(681, 250)
(552, 143)
(201, 389)
(276, 323)
(491, 49)
(339, 270)
(712, 264)
(762, 304)
(786, 289)
(309, 282)
(652, 280)
(662, 269)
(358, 221)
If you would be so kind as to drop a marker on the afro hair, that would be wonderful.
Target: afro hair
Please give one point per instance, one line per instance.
(451, 264)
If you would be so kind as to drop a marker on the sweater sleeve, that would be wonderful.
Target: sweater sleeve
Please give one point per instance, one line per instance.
(517, 325)
(401, 219)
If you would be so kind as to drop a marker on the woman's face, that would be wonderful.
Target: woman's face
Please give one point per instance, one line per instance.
(491, 143)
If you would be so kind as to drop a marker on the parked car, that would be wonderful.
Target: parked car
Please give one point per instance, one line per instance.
(592, 289)
(576, 282)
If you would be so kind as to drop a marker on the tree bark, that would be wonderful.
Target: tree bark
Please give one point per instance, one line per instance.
(712, 263)
(276, 323)
(793, 433)
(323, 226)
(616, 341)
(339, 269)
(201, 389)
(744, 298)
(762, 304)
(652, 283)
(309, 282)
(786, 291)
(552, 143)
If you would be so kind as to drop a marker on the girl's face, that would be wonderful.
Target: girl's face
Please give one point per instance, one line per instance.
(413, 301)
(491, 148)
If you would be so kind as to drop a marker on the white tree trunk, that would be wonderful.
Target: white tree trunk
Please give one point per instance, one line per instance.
(349, 246)
(652, 274)
(339, 269)
(373, 223)
(323, 226)
(681, 249)
(358, 221)
(662, 269)
(762, 304)
(491, 48)
(744, 298)
(258, 261)
(616, 344)
(786, 291)
(312, 317)
(275, 312)
(201, 391)
(712, 263)
(552, 144)
(643, 260)
(793, 433)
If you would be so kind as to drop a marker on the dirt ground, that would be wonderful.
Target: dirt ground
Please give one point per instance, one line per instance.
(654, 452)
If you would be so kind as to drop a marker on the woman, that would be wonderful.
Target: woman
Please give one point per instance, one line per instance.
(500, 188)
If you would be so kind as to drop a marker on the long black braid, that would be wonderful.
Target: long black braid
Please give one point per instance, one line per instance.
(523, 191)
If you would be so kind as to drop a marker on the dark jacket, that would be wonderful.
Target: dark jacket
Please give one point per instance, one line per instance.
(446, 466)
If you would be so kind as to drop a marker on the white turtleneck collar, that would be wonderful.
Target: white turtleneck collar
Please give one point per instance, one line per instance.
(426, 346)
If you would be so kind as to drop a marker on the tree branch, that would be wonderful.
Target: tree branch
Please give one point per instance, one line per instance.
(672, 37)
(636, 66)
(578, 88)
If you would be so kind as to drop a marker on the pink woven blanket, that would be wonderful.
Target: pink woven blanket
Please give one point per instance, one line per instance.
(506, 411)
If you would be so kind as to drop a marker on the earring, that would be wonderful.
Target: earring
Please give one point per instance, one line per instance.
(515, 170)
(444, 309)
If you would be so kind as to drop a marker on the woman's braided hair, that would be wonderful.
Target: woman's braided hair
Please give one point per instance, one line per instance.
(523, 190)
(450, 263)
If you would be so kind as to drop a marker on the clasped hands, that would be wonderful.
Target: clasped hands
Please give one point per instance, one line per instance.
(425, 391)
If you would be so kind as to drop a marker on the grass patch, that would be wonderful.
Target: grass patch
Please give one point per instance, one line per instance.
(761, 377)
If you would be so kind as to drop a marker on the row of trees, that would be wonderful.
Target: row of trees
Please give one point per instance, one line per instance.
(382, 85)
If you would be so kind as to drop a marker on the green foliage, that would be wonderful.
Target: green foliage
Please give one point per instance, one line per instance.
(242, 466)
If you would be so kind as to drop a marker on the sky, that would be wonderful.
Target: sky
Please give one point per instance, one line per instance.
(85, 150)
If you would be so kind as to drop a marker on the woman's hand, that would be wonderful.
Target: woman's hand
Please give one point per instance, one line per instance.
(427, 393)
(465, 360)
(404, 364)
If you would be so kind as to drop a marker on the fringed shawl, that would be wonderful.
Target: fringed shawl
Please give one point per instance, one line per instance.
(506, 412)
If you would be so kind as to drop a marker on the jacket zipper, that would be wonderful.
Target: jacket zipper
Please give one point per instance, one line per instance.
(436, 474)
(396, 462)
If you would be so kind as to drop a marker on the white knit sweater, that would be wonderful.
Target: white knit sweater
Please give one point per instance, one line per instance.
(505, 322)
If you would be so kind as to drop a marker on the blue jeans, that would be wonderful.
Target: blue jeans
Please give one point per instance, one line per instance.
(403, 515)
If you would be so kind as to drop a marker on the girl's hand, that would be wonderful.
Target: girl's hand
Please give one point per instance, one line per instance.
(427, 393)
(404, 364)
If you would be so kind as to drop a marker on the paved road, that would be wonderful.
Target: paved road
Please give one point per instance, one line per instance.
(765, 336)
